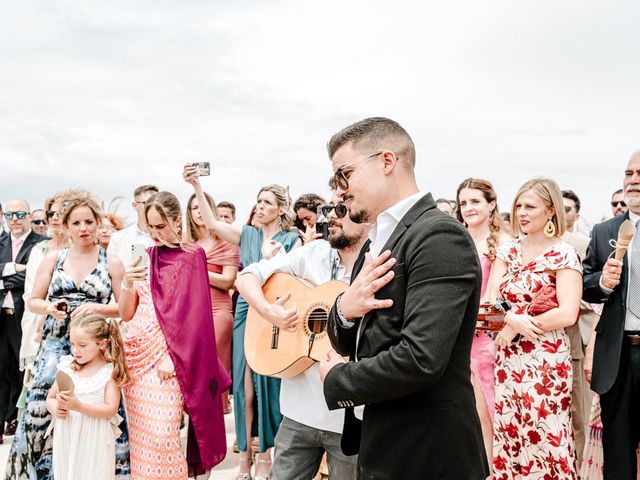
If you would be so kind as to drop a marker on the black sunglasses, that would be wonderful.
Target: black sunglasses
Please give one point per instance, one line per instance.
(567, 208)
(341, 179)
(19, 215)
(51, 213)
(621, 203)
(38, 222)
(341, 210)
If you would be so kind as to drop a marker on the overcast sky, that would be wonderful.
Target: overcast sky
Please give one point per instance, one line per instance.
(110, 95)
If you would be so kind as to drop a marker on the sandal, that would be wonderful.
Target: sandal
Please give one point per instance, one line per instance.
(262, 477)
(245, 475)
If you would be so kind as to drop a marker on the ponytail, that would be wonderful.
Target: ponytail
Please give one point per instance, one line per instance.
(101, 328)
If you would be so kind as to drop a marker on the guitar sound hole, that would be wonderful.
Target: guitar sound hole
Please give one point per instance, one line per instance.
(317, 321)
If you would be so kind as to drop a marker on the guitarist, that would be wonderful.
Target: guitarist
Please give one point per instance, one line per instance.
(308, 428)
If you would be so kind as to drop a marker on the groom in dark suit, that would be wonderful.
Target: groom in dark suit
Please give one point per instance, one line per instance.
(15, 247)
(616, 359)
(407, 320)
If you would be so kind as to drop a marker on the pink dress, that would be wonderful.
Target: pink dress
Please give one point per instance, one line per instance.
(533, 437)
(483, 350)
(222, 254)
(154, 406)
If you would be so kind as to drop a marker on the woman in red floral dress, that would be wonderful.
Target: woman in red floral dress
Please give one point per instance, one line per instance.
(533, 437)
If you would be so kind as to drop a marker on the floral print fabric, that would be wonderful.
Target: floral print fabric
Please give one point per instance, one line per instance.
(533, 437)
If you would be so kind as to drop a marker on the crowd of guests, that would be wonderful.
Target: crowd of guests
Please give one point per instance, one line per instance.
(125, 330)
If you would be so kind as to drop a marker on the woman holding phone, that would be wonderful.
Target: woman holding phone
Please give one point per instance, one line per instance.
(78, 279)
(223, 259)
(273, 215)
(166, 304)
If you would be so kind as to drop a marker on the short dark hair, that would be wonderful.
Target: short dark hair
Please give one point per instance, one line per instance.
(570, 194)
(376, 132)
(443, 200)
(228, 205)
(144, 189)
(617, 192)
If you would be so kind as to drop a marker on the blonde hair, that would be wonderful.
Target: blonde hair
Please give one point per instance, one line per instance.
(283, 200)
(549, 192)
(193, 231)
(75, 198)
(102, 329)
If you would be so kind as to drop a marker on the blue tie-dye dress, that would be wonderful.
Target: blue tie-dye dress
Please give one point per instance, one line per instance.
(31, 453)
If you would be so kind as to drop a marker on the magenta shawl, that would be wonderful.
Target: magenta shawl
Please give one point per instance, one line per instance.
(180, 291)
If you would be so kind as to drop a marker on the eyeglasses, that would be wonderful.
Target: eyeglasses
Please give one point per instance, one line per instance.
(51, 213)
(340, 209)
(38, 222)
(618, 203)
(19, 215)
(341, 178)
(567, 208)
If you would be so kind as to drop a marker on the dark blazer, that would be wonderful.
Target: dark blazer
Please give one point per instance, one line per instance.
(413, 370)
(609, 332)
(15, 283)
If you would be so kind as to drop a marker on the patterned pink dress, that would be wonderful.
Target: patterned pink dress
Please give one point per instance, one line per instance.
(533, 437)
(154, 406)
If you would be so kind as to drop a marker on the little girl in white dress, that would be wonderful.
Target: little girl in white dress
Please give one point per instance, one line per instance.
(85, 420)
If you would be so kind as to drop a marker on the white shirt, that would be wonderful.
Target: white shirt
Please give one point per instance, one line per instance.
(302, 397)
(10, 269)
(387, 222)
(121, 242)
(631, 322)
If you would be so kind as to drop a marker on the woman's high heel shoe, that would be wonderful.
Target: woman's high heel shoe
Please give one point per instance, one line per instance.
(247, 475)
(262, 477)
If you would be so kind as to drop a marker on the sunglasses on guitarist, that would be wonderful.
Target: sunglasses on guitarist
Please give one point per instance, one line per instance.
(340, 209)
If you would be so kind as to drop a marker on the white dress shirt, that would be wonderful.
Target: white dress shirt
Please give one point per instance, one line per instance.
(122, 240)
(302, 397)
(10, 269)
(387, 222)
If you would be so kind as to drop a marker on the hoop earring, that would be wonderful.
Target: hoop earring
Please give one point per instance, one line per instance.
(550, 229)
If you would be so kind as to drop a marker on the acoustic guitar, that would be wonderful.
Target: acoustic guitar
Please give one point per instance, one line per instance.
(280, 353)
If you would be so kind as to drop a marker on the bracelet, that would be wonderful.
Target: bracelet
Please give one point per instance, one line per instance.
(125, 288)
(343, 320)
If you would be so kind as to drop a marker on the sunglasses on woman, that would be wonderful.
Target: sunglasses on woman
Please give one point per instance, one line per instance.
(51, 213)
(341, 210)
(19, 215)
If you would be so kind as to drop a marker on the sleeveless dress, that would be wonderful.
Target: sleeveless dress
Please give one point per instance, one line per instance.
(154, 406)
(30, 456)
(222, 254)
(267, 389)
(483, 350)
(533, 434)
(83, 446)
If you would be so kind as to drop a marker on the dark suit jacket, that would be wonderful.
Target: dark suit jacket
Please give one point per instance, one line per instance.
(413, 371)
(15, 283)
(609, 332)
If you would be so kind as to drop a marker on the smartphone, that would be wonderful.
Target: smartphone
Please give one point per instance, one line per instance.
(139, 250)
(203, 169)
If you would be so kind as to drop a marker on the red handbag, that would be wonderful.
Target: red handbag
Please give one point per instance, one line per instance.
(544, 300)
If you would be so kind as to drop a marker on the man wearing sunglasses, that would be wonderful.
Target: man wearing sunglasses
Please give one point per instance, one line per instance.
(308, 428)
(39, 221)
(15, 247)
(406, 321)
(618, 205)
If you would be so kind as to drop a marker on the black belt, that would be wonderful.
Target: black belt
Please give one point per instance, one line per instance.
(632, 337)
(8, 311)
